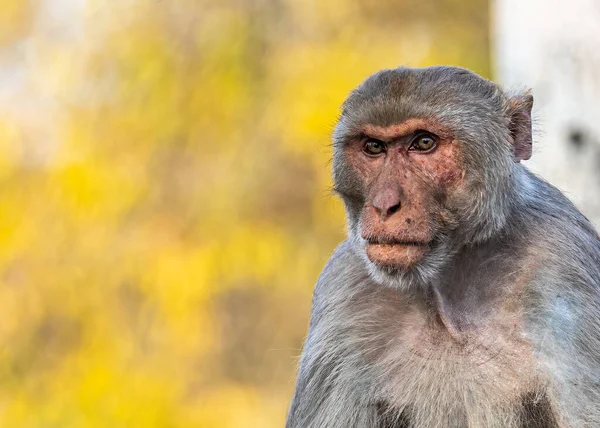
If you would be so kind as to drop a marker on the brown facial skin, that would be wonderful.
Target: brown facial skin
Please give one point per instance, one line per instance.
(406, 187)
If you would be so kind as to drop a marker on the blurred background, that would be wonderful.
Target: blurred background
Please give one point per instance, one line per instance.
(165, 203)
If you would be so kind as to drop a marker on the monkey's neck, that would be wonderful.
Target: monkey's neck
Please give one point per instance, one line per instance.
(465, 295)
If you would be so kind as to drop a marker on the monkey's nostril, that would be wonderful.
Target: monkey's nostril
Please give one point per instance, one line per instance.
(386, 202)
(393, 209)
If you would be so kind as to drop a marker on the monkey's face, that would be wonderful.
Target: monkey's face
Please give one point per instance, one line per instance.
(424, 160)
(406, 172)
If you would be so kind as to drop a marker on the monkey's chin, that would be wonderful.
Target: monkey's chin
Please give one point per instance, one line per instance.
(397, 256)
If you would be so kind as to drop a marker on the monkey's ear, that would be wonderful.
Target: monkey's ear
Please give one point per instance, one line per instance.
(520, 125)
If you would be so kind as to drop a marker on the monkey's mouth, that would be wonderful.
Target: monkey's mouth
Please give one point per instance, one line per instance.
(387, 241)
(401, 254)
(396, 242)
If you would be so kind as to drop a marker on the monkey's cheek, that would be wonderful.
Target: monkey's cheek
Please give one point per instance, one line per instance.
(396, 255)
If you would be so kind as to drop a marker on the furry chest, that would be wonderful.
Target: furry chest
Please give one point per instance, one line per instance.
(429, 365)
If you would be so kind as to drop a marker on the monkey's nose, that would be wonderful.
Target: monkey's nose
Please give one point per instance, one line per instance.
(386, 203)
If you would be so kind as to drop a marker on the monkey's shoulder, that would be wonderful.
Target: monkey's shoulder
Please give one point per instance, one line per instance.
(343, 275)
(343, 267)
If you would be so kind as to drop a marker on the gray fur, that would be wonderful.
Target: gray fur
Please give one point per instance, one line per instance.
(517, 269)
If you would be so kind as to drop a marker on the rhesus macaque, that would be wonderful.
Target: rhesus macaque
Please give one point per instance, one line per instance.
(468, 291)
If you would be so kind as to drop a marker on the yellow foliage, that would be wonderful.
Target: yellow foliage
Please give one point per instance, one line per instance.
(165, 203)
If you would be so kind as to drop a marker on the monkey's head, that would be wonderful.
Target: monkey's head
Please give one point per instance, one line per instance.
(426, 161)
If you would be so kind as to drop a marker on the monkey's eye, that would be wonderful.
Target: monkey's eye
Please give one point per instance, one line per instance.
(373, 147)
(423, 143)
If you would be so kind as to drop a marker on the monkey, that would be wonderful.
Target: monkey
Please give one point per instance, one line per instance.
(467, 292)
